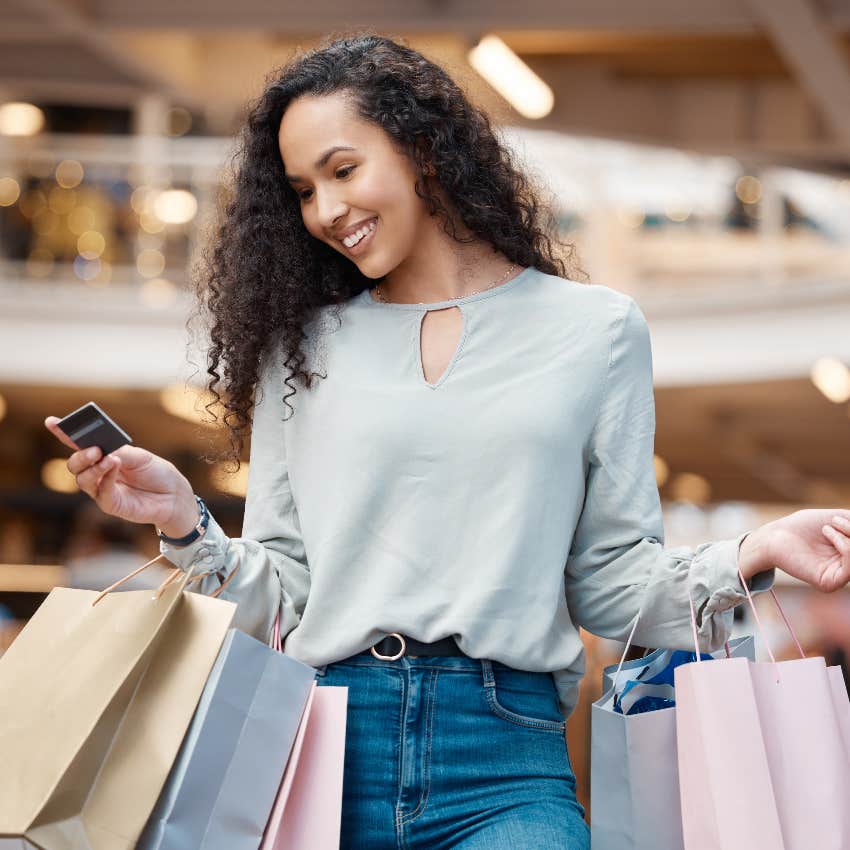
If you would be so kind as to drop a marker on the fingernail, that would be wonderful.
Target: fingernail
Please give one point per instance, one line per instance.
(840, 520)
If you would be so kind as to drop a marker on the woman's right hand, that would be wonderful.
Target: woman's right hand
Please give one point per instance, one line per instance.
(133, 484)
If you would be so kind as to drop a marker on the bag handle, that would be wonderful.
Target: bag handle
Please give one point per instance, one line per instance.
(188, 579)
(631, 637)
(757, 618)
(274, 641)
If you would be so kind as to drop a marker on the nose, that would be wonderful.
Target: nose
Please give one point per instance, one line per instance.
(331, 208)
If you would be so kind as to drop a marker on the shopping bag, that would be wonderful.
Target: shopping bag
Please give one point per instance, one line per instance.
(762, 755)
(634, 776)
(96, 694)
(307, 812)
(841, 702)
(225, 779)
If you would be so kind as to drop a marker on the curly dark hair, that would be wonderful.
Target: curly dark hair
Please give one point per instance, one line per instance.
(263, 276)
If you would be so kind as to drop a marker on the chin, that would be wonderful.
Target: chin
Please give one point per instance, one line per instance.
(374, 270)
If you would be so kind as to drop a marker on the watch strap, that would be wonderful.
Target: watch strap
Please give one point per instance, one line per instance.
(195, 533)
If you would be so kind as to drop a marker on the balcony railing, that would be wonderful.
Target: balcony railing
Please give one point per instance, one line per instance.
(112, 212)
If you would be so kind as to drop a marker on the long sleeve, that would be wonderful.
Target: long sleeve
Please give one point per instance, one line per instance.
(270, 556)
(617, 563)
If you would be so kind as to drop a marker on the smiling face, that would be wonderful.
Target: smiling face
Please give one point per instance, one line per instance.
(349, 176)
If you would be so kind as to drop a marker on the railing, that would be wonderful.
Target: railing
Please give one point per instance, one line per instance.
(114, 212)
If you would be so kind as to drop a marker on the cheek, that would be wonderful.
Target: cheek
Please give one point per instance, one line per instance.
(312, 225)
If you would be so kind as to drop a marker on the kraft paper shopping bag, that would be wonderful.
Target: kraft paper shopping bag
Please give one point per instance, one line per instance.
(95, 700)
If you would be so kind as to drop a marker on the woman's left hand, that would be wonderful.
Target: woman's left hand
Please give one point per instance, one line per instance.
(812, 545)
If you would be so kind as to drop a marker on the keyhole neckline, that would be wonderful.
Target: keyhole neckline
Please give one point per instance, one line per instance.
(366, 295)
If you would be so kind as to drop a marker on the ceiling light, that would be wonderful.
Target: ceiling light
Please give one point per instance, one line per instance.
(511, 77)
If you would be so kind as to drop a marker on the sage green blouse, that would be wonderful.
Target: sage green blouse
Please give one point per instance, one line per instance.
(505, 504)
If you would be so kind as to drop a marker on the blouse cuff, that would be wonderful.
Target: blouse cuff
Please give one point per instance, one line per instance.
(715, 576)
(209, 552)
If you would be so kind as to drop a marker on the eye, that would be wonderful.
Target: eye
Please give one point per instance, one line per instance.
(340, 173)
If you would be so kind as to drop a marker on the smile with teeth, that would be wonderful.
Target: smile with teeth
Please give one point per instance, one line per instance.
(351, 241)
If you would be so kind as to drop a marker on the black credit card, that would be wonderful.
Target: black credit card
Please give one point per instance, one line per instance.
(90, 426)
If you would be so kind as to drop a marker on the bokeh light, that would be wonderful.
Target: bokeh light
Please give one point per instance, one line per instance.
(55, 476)
(20, 119)
(10, 191)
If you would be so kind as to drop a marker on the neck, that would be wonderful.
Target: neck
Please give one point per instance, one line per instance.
(443, 276)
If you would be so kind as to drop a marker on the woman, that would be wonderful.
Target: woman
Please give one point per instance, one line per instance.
(466, 480)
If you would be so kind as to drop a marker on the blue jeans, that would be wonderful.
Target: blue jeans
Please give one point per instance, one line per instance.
(454, 752)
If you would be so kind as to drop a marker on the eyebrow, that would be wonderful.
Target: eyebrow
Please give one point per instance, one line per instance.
(321, 162)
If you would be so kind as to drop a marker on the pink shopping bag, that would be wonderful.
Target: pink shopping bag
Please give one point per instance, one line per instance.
(308, 809)
(841, 700)
(763, 753)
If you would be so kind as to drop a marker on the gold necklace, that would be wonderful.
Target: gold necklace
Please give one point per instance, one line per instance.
(475, 292)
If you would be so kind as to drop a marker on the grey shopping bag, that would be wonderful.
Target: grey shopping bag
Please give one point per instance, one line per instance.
(224, 781)
(634, 775)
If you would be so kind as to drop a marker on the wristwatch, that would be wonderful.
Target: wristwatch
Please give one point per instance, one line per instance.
(195, 533)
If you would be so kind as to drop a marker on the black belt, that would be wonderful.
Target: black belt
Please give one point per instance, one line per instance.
(397, 645)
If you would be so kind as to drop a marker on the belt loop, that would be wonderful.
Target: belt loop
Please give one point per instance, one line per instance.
(487, 670)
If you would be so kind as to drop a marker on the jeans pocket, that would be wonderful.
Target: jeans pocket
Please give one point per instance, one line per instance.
(522, 697)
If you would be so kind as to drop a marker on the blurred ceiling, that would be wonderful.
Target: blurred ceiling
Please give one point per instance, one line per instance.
(766, 80)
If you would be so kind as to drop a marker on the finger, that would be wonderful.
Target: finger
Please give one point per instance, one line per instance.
(83, 459)
(840, 573)
(51, 424)
(132, 457)
(839, 540)
(841, 523)
(89, 479)
(107, 479)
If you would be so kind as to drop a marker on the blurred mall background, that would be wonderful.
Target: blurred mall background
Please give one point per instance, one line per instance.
(699, 157)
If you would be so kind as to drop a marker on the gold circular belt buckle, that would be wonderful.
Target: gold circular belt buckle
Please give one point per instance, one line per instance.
(391, 657)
